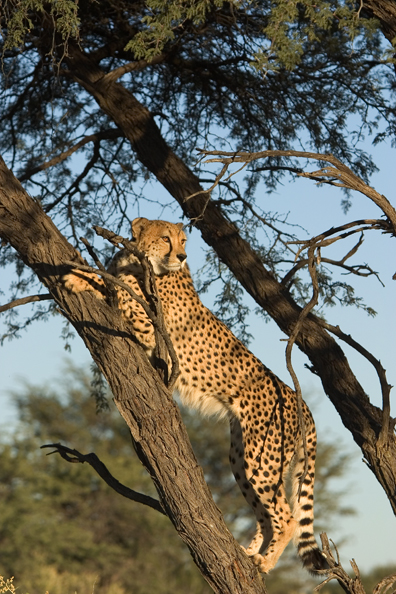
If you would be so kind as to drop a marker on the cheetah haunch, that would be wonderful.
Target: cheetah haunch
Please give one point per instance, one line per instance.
(220, 376)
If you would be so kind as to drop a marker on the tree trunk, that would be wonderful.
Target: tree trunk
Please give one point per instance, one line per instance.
(358, 415)
(146, 405)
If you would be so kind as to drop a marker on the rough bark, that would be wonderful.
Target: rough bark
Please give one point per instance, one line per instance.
(385, 12)
(147, 407)
(359, 416)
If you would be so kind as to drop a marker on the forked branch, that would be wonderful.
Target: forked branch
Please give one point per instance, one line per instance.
(351, 585)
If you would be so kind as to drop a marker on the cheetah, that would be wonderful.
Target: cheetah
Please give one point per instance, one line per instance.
(220, 376)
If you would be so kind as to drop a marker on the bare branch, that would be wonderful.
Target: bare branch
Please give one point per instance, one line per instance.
(74, 187)
(387, 422)
(74, 456)
(348, 584)
(337, 572)
(385, 584)
(154, 301)
(24, 300)
(358, 269)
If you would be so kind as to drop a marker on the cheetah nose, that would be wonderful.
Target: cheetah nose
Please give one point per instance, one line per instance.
(181, 257)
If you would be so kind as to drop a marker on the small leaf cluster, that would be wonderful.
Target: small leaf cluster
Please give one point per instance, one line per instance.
(19, 19)
(163, 18)
(293, 26)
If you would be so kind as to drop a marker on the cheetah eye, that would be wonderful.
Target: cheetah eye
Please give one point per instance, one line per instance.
(166, 239)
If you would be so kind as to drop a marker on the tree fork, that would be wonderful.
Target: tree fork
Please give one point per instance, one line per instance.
(358, 415)
(147, 407)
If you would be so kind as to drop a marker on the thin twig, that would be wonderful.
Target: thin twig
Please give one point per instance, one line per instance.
(152, 296)
(359, 269)
(74, 456)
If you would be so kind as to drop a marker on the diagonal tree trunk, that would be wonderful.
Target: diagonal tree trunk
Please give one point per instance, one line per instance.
(153, 418)
(358, 415)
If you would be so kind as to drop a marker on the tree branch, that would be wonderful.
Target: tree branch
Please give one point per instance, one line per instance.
(388, 423)
(71, 455)
(103, 135)
(160, 438)
(339, 171)
(348, 584)
(154, 304)
(24, 300)
(307, 308)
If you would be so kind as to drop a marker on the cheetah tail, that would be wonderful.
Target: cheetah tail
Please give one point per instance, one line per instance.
(312, 558)
(303, 512)
(304, 539)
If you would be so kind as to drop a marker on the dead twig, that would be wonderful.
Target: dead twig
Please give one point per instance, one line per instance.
(388, 423)
(351, 585)
(337, 572)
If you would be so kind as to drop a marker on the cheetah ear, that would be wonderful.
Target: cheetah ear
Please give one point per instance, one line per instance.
(138, 225)
(180, 225)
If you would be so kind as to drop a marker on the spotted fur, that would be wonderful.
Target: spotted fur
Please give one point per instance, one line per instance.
(219, 375)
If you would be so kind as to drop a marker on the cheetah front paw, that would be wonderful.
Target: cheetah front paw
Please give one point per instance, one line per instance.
(77, 282)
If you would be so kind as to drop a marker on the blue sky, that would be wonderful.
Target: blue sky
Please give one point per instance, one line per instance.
(38, 356)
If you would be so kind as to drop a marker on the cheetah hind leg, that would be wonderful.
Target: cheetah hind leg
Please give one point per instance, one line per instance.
(283, 528)
(275, 523)
(264, 532)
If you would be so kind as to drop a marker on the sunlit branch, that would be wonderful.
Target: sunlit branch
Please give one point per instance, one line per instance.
(352, 585)
(115, 74)
(156, 316)
(359, 269)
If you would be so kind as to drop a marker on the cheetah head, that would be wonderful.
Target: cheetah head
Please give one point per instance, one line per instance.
(163, 243)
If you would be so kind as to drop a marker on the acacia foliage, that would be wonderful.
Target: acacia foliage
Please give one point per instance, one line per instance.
(63, 529)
